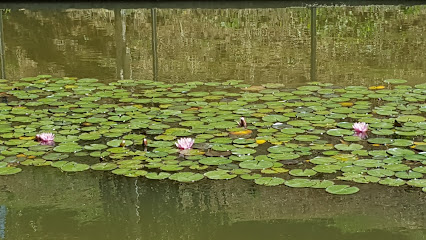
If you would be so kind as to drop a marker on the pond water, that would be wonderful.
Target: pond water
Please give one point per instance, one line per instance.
(104, 79)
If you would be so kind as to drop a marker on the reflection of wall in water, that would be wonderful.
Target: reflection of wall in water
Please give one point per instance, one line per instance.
(3, 213)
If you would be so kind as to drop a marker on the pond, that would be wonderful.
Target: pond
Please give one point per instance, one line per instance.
(275, 100)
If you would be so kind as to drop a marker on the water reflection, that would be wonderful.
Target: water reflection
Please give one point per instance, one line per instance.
(3, 213)
(56, 205)
(345, 45)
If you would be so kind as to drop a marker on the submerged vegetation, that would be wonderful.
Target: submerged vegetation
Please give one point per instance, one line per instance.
(311, 136)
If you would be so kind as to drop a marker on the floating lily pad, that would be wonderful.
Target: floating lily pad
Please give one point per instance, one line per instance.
(321, 183)
(186, 177)
(74, 167)
(160, 175)
(215, 161)
(253, 164)
(219, 174)
(410, 118)
(68, 148)
(341, 189)
(408, 175)
(380, 172)
(351, 147)
(269, 181)
(392, 182)
(104, 166)
(9, 170)
(327, 168)
(339, 132)
(302, 172)
(55, 156)
(417, 182)
(299, 183)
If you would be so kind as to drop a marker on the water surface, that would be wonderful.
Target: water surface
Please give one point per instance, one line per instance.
(360, 45)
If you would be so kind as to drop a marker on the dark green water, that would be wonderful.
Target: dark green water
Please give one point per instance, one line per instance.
(43, 203)
(352, 45)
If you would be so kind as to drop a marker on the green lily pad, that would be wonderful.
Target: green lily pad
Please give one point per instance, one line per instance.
(408, 175)
(74, 167)
(302, 172)
(400, 151)
(55, 156)
(158, 176)
(351, 147)
(215, 161)
(95, 147)
(321, 183)
(330, 168)
(253, 164)
(269, 181)
(417, 182)
(379, 172)
(396, 167)
(104, 166)
(410, 118)
(392, 182)
(68, 148)
(9, 170)
(186, 177)
(339, 132)
(58, 164)
(380, 140)
(299, 183)
(323, 160)
(171, 167)
(341, 189)
(251, 176)
(219, 174)
(420, 169)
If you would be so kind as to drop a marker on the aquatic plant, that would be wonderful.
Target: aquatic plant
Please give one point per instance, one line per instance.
(185, 143)
(360, 127)
(310, 128)
(46, 138)
(242, 122)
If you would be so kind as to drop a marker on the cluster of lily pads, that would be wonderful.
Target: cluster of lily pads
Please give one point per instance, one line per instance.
(301, 137)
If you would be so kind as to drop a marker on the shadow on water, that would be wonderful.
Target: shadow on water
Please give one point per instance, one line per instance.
(54, 205)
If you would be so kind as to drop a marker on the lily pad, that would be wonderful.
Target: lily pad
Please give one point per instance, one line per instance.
(392, 182)
(158, 176)
(219, 174)
(74, 167)
(417, 182)
(9, 170)
(299, 183)
(253, 164)
(269, 181)
(186, 177)
(302, 172)
(341, 189)
(104, 166)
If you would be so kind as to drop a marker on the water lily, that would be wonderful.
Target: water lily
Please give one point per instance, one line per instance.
(362, 135)
(242, 122)
(360, 127)
(185, 143)
(45, 137)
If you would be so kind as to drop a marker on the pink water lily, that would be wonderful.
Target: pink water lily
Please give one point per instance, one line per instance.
(185, 143)
(46, 138)
(360, 127)
(362, 135)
